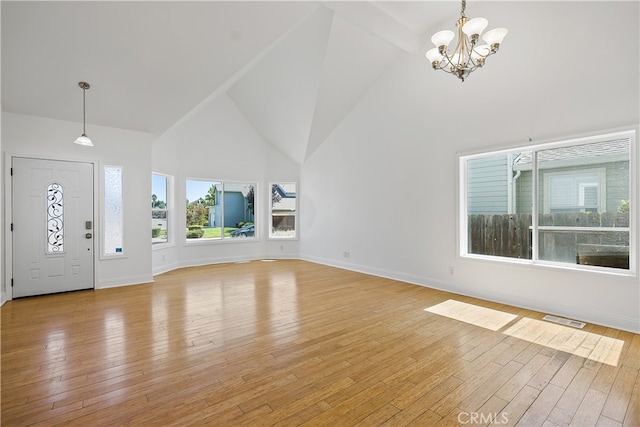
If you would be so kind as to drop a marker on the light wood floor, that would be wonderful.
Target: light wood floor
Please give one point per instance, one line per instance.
(296, 343)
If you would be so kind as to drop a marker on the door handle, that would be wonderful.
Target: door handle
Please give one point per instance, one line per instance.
(88, 236)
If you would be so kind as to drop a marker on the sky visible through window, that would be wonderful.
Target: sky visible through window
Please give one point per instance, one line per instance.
(197, 189)
(159, 186)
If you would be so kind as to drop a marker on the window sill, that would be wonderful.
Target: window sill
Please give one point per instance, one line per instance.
(227, 240)
(159, 246)
(589, 269)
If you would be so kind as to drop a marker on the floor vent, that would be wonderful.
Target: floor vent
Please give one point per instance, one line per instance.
(563, 321)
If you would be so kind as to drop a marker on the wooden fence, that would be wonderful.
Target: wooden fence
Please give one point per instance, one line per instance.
(500, 235)
(559, 238)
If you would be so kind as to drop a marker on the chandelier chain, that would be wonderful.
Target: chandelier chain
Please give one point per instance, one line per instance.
(464, 6)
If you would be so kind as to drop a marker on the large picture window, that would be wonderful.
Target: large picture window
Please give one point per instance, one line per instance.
(219, 210)
(565, 203)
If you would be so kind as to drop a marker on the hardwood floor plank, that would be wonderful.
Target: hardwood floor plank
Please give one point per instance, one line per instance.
(296, 343)
(487, 390)
(520, 379)
(548, 371)
(568, 371)
(607, 422)
(589, 410)
(518, 406)
(450, 402)
(619, 397)
(565, 409)
(540, 409)
(632, 418)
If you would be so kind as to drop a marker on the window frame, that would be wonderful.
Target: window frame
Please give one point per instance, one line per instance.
(537, 206)
(225, 239)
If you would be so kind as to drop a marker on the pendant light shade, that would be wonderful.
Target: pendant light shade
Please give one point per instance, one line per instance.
(83, 139)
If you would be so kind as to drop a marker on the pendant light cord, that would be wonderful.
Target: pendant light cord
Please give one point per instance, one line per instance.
(84, 113)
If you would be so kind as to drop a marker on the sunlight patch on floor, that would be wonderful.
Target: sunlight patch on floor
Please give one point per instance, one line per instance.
(584, 344)
(589, 345)
(473, 314)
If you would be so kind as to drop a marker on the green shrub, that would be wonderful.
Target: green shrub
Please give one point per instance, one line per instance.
(243, 223)
(195, 234)
(155, 232)
(624, 206)
(194, 227)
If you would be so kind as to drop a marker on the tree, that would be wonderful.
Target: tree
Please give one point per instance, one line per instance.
(158, 204)
(250, 199)
(210, 197)
(275, 194)
(197, 214)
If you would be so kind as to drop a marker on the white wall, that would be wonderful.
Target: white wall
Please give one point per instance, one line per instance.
(48, 138)
(3, 296)
(389, 200)
(219, 143)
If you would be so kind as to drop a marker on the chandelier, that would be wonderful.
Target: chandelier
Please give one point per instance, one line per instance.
(467, 55)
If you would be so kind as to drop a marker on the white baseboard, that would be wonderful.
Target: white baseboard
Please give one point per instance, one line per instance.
(124, 281)
(212, 261)
(597, 317)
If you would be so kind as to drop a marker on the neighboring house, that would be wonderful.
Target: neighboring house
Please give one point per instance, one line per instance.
(586, 178)
(283, 211)
(236, 209)
(489, 185)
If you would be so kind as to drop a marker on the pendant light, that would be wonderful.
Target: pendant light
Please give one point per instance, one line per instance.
(83, 139)
(467, 56)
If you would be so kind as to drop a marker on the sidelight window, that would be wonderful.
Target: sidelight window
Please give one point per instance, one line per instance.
(112, 213)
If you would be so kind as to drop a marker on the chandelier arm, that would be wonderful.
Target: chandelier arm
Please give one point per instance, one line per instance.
(448, 62)
(441, 65)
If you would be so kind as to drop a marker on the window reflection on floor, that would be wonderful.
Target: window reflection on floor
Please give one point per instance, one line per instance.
(596, 347)
(473, 314)
(592, 346)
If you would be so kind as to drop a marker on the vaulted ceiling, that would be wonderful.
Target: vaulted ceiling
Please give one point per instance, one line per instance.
(295, 69)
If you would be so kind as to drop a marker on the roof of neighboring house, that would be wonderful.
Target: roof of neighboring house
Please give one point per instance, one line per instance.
(287, 200)
(284, 205)
(595, 150)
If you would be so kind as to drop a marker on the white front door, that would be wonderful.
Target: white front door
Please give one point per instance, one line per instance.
(52, 226)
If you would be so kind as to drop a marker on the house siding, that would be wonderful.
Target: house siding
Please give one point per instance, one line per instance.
(617, 186)
(487, 185)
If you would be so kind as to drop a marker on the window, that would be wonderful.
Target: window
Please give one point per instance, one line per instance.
(220, 210)
(575, 191)
(159, 208)
(55, 218)
(283, 210)
(562, 203)
(113, 218)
